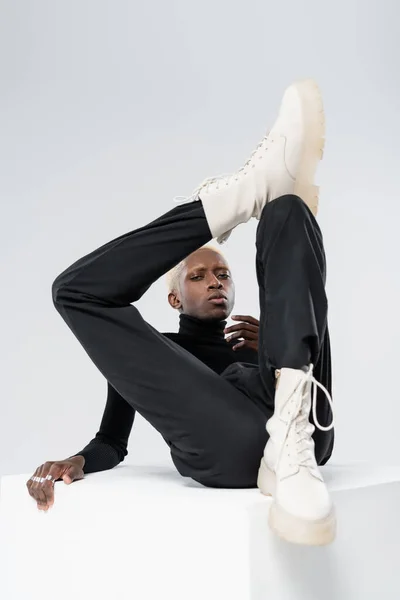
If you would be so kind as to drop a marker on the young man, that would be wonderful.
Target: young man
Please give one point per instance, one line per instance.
(232, 418)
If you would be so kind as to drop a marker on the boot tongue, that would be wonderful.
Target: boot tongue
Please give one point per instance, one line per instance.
(295, 412)
(293, 402)
(290, 399)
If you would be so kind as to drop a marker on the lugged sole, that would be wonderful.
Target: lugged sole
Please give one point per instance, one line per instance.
(288, 527)
(314, 143)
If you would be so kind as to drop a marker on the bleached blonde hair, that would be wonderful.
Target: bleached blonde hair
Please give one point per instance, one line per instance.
(173, 276)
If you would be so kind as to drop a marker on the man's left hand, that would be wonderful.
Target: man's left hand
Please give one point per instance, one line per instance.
(246, 332)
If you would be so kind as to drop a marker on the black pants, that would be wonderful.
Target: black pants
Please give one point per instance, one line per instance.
(214, 424)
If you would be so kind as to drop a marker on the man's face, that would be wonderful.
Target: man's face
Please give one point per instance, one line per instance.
(205, 273)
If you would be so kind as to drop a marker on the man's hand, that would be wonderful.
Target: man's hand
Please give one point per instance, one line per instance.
(246, 331)
(69, 470)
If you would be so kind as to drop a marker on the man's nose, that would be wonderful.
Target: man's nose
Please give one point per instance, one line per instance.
(216, 283)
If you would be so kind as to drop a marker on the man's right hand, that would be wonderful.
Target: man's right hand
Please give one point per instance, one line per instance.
(69, 470)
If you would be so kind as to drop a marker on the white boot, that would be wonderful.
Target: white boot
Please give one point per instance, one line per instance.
(302, 511)
(283, 163)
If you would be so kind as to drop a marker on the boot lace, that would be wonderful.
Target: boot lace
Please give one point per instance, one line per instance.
(298, 422)
(224, 178)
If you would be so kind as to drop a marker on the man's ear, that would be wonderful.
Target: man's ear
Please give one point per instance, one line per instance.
(174, 300)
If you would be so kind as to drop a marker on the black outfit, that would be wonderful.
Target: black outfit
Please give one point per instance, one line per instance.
(203, 339)
(213, 420)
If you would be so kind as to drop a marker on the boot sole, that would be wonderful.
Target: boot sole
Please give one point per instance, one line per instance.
(288, 527)
(313, 149)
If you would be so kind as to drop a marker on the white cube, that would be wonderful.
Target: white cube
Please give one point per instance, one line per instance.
(145, 533)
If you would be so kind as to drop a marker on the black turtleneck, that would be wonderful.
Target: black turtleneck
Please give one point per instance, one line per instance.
(205, 340)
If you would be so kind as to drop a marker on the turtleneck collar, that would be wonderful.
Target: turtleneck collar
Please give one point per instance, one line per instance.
(199, 328)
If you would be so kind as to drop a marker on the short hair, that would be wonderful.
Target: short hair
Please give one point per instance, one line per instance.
(172, 277)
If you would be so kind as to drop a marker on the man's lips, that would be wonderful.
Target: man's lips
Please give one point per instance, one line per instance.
(218, 300)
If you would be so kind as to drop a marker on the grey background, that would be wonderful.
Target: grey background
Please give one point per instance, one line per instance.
(110, 109)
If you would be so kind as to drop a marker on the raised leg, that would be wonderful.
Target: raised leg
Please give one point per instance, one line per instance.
(294, 349)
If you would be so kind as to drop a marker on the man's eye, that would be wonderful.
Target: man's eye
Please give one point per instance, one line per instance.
(220, 275)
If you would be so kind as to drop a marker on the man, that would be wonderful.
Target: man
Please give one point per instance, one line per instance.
(251, 424)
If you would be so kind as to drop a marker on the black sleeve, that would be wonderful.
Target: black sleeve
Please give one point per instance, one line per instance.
(109, 447)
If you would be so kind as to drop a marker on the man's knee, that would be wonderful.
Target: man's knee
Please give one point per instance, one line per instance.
(287, 204)
(60, 287)
(282, 210)
(55, 290)
(55, 286)
(291, 201)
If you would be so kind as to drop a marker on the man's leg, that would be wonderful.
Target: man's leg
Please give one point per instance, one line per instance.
(291, 274)
(294, 344)
(216, 434)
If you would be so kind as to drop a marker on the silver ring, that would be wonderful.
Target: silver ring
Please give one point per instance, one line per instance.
(42, 479)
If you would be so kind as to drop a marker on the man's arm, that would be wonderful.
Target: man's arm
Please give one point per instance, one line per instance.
(109, 447)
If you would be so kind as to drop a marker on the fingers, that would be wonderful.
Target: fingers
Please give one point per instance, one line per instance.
(247, 344)
(43, 492)
(241, 344)
(48, 485)
(247, 334)
(72, 473)
(35, 489)
(246, 318)
(43, 488)
(249, 327)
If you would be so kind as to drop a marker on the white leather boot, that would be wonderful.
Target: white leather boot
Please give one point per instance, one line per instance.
(283, 163)
(302, 511)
